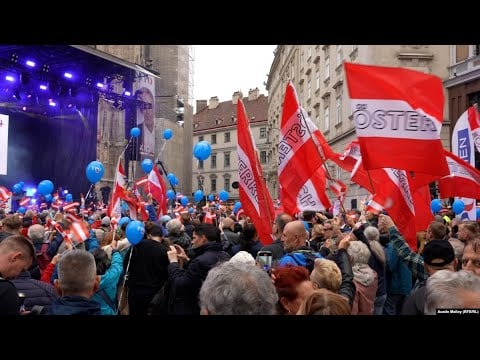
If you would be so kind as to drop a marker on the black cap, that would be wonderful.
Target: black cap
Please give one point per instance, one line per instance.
(438, 253)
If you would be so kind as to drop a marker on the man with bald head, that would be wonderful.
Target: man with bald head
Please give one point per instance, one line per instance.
(277, 230)
(294, 239)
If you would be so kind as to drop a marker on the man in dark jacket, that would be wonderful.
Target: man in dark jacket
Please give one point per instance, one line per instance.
(16, 255)
(77, 282)
(186, 282)
(277, 229)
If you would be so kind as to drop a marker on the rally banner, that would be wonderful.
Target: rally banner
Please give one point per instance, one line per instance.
(463, 147)
(144, 87)
(302, 151)
(3, 143)
(398, 115)
(254, 196)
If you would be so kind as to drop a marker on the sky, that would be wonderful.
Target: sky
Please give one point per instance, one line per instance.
(220, 70)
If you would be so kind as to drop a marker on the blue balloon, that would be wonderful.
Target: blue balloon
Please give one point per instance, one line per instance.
(458, 206)
(22, 184)
(48, 197)
(45, 187)
(21, 210)
(202, 150)
(436, 205)
(478, 213)
(69, 197)
(237, 206)
(147, 165)
(198, 196)
(223, 195)
(191, 210)
(94, 172)
(170, 194)
(124, 220)
(134, 231)
(16, 188)
(171, 178)
(184, 200)
(135, 132)
(211, 197)
(167, 134)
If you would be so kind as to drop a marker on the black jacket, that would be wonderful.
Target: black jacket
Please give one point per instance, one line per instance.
(37, 292)
(277, 250)
(186, 283)
(9, 301)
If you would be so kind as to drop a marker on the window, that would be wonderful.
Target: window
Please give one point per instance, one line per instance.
(263, 132)
(226, 184)
(338, 107)
(339, 55)
(226, 137)
(226, 159)
(213, 163)
(200, 164)
(200, 183)
(263, 157)
(213, 185)
(214, 139)
(317, 79)
(200, 138)
(327, 68)
(326, 118)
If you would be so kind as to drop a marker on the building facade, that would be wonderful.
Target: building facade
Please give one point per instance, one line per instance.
(463, 82)
(216, 123)
(317, 73)
(173, 110)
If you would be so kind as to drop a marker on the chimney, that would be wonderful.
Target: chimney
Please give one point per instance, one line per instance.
(213, 103)
(236, 95)
(253, 94)
(201, 104)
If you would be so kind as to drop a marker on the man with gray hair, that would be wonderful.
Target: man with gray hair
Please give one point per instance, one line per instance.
(452, 290)
(77, 282)
(237, 288)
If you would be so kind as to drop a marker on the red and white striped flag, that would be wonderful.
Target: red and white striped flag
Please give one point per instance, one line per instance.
(114, 207)
(70, 206)
(398, 115)
(80, 231)
(463, 180)
(158, 190)
(254, 196)
(302, 151)
(5, 194)
(338, 188)
(474, 123)
(24, 201)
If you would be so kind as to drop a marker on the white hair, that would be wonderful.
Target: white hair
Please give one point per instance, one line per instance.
(445, 290)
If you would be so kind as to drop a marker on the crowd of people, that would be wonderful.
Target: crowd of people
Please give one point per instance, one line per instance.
(354, 263)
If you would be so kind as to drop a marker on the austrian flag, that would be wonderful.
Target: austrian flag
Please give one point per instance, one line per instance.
(398, 115)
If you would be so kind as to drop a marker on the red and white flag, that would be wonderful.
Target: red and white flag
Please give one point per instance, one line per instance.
(474, 123)
(114, 207)
(24, 201)
(80, 231)
(302, 151)
(398, 115)
(254, 196)
(338, 188)
(463, 180)
(5, 194)
(158, 190)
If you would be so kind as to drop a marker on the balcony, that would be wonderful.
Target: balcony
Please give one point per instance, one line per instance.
(463, 71)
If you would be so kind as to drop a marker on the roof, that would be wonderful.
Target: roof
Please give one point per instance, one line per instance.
(225, 114)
